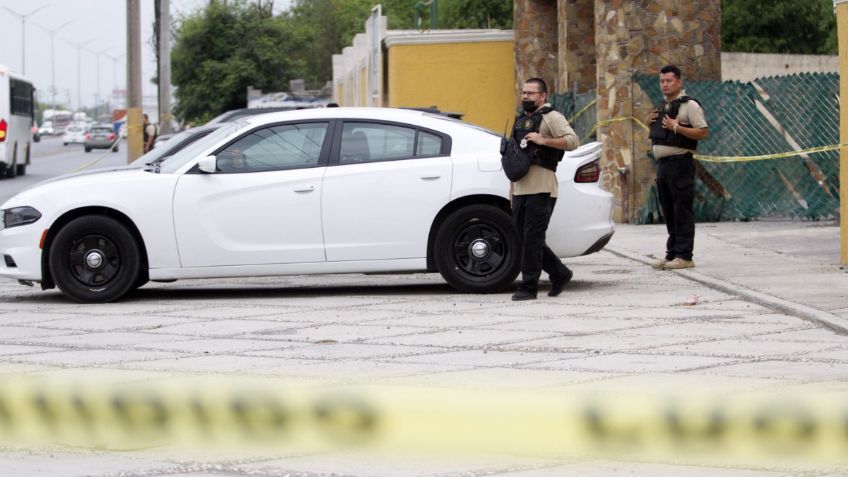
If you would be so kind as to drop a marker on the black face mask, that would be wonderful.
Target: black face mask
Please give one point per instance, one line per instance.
(528, 106)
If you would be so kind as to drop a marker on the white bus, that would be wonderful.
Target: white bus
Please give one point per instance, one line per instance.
(17, 109)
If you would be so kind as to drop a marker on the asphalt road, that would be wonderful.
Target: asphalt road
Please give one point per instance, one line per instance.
(50, 159)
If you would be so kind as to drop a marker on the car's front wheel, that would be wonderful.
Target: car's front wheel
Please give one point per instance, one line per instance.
(477, 249)
(94, 259)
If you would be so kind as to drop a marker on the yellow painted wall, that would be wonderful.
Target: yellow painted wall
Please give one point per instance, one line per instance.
(477, 79)
(363, 87)
(340, 95)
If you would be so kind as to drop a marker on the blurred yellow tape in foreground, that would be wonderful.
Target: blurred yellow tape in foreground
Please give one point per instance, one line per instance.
(230, 413)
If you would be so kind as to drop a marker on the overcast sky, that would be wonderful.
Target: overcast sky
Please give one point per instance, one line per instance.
(103, 23)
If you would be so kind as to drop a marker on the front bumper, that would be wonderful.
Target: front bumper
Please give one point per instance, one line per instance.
(21, 245)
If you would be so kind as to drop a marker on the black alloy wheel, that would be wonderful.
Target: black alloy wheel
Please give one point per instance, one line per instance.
(477, 249)
(94, 259)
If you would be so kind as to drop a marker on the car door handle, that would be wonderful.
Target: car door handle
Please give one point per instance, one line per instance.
(430, 176)
(305, 190)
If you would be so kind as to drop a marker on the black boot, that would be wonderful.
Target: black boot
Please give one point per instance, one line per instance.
(556, 285)
(524, 294)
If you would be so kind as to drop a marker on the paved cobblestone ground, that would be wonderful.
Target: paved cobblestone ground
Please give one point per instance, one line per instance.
(617, 323)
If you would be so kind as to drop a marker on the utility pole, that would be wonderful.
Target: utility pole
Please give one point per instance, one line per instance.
(23, 17)
(164, 75)
(134, 118)
(841, 8)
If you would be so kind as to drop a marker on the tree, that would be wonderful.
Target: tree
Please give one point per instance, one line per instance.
(778, 26)
(327, 26)
(477, 14)
(227, 46)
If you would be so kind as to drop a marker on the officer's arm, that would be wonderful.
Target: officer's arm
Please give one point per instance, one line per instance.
(697, 134)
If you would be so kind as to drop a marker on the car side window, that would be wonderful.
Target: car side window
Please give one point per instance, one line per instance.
(371, 142)
(428, 144)
(289, 146)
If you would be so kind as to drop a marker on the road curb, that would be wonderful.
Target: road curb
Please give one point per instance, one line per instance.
(831, 321)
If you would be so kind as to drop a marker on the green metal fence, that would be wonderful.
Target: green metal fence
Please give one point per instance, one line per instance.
(769, 116)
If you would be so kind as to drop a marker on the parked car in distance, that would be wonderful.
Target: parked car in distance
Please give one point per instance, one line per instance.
(46, 128)
(74, 134)
(323, 190)
(101, 137)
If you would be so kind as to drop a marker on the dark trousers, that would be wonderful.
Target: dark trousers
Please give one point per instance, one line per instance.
(532, 214)
(676, 186)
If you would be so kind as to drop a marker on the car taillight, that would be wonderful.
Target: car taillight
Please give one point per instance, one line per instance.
(111, 136)
(88, 136)
(3, 127)
(589, 173)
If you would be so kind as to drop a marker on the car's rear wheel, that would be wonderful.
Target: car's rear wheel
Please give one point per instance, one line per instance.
(87, 149)
(95, 259)
(477, 249)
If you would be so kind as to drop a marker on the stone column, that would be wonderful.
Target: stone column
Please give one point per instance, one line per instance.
(577, 57)
(536, 43)
(642, 36)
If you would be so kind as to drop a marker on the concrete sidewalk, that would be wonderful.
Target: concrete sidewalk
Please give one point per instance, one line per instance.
(789, 266)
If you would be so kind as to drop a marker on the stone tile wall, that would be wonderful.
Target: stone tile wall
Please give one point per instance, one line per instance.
(577, 57)
(536, 42)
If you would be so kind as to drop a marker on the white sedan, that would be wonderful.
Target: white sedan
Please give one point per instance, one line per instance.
(301, 192)
(73, 135)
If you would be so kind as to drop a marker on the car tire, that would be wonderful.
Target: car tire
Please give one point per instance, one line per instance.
(94, 258)
(88, 149)
(12, 171)
(477, 249)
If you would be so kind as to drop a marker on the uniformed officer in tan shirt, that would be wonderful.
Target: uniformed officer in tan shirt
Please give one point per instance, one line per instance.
(546, 133)
(675, 129)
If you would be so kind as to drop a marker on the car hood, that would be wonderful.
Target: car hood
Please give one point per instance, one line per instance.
(78, 180)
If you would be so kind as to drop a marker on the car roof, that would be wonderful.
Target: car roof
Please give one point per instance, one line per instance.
(234, 114)
(386, 114)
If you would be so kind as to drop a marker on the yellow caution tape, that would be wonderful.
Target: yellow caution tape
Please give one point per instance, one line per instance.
(802, 152)
(740, 429)
(718, 159)
(579, 113)
(97, 159)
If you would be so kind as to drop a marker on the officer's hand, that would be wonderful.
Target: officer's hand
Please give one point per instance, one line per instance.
(669, 123)
(651, 117)
(535, 137)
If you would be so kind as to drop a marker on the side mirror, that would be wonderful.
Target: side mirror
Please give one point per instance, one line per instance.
(208, 165)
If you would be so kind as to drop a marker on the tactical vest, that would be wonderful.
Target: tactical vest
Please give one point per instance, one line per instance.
(665, 137)
(547, 157)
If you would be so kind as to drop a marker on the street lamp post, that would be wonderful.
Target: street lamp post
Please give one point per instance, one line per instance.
(23, 17)
(79, 46)
(52, 34)
(115, 71)
(97, 91)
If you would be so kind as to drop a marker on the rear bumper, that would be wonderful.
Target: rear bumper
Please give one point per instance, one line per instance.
(600, 244)
(98, 144)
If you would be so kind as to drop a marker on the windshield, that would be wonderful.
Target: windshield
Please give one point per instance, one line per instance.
(190, 152)
(162, 150)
